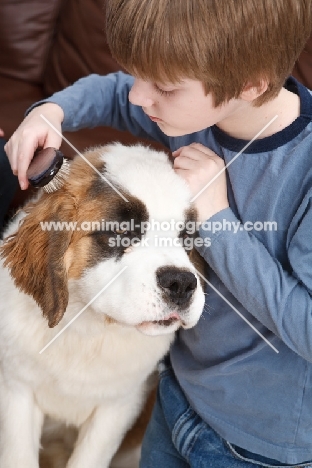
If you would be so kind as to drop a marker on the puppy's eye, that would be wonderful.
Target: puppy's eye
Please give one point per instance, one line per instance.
(121, 231)
(184, 235)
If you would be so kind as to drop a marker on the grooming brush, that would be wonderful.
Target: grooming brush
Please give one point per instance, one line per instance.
(48, 169)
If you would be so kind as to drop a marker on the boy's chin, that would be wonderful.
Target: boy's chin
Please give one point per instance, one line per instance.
(175, 132)
(171, 131)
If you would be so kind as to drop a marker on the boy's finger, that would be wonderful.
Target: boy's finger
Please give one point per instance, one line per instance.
(53, 140)
(193, 148)
(177, 152)
(190, 153)
(22, 169)
(180, 172)
(183, 162)
(201, 148)
(184, 150)
(24, 156)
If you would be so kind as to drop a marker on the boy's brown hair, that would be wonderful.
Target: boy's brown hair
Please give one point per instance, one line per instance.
(225, 44)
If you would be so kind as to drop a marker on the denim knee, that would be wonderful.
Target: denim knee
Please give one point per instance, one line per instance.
(177, 437)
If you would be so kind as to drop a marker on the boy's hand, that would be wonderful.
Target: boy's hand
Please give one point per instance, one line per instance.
(32, 133)
(198, 165)
(1, 132)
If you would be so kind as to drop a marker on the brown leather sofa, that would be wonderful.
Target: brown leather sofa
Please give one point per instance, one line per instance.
(45, 46)
(303, 67)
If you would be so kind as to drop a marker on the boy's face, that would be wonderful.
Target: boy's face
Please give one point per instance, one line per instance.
(180, 109)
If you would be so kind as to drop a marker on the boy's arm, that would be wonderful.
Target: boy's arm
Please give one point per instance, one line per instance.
(91, 101)
(278, 298)
(103, 100)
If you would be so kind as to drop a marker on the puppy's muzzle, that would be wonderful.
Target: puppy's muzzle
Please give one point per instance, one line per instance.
(177, 285)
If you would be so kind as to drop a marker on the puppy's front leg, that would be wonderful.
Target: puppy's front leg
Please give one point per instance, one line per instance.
(102, 433)
(20, 426)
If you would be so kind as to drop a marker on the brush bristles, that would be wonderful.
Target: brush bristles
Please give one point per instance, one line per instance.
(59, 179)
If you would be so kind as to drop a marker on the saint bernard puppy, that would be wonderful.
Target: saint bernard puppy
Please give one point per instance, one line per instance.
(95, 280)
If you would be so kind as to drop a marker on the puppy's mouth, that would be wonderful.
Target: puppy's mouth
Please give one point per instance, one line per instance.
(165, 322)
(165, 325)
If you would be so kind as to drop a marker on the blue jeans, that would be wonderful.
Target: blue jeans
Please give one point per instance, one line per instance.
(177, 437)
(8, 184)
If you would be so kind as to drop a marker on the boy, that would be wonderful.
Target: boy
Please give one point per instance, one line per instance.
(209, 77)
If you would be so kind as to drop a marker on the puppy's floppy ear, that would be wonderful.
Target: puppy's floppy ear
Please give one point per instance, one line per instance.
(35, 256)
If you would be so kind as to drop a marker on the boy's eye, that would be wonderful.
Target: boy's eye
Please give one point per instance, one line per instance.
(162, 92)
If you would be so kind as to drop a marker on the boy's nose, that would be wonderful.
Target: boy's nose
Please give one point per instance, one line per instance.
(141, 93)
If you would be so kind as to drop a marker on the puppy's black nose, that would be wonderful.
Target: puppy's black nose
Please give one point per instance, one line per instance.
(178, 285)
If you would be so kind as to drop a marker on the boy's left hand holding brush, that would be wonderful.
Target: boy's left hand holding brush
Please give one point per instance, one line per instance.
(44, 136)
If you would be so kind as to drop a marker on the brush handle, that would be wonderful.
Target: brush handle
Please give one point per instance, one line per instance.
(44, 166)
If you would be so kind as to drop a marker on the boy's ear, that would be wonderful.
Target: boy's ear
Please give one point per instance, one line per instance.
(252, 91)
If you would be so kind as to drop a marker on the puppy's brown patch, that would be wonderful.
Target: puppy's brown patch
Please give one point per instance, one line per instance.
(36, 256)
(41, 261)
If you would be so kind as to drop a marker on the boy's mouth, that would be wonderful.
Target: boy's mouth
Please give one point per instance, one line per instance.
(154, 119)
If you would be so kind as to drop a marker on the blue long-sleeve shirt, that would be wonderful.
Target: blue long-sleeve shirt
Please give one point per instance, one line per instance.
(252, 396)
